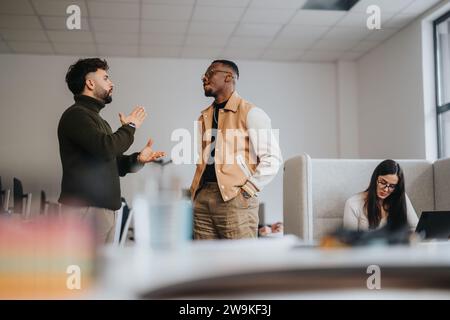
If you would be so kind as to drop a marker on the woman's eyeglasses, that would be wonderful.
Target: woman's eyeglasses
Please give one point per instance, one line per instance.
(384, 185)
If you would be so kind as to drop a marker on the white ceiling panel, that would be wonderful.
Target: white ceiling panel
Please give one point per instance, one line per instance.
(249, 42)
(292, 43)
(265, 15)
(364, 46)
(343, 33)
(321, 56)
(59, 23)
(85, 49)
(200, 52)
(381, 35)
(24, 35)
(399, 21)
(211, 28)
(208, 13)
(166, 12)
(57, 7)
(333, 45)
(318, 17)
(295, 30)
(288, 4)
(19, 7)
(71, 36)
(248, 29)
(196, 40)
(384, 5)
(160, 51)
(115, 25)
(222, 3)
(351, 56)
(162, 39)
(282, 55)
(19, 22)
(117, 38)
(114, 10)
(420, 6)
(118, 50)
(242, 53)
(359, 19)
(30, 47)
(164, 27)
(171, 2)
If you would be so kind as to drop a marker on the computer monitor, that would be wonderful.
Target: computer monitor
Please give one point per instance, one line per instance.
(434, 225)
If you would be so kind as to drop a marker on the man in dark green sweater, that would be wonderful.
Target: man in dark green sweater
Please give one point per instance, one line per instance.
(91, 153)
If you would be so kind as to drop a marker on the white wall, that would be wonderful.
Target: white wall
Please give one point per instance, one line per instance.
(396, 114)
(301, 99)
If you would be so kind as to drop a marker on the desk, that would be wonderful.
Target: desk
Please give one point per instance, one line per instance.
(275, 269)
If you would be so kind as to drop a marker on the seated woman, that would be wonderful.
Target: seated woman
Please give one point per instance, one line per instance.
(383, 202)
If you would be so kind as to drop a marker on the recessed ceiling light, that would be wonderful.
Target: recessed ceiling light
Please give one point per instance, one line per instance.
(336, 5)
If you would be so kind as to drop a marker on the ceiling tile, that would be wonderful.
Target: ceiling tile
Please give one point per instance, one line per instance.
(164, 27)
(292, 43)
(166, 12)
(321, 56)
(381, 35)
(359, 19)
(30, 47)
(208, 13)
(420, 6)
(71, 36)
(317, 17)
(211, 28)
(265, 15)
(282, 55)
(19, 22)
(117, 38)
(85, 49)
(201, 52)
(385, 5)
(399, 21)
(117, 50)
(115, 25)
(249, 42)
(288, 4)
(196, 40)
(113, 10)
(248, 29)
(57, 7)
(59, 23)
(333, 45)
(354, 33)
(160, 51)
(241, 53)
(351, 56)
(172, 2)
(296, 30)
(162, 39)
(364, 46)
(24, 35)
(16, 7)
(222, 3)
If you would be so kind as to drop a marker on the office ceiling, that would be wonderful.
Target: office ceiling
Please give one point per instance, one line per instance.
(278, 30)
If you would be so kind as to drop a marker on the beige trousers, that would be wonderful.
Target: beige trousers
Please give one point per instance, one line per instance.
(217, 219)
(103, 220)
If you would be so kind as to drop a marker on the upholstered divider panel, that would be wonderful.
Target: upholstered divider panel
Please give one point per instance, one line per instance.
(297, 213)
(442, 184)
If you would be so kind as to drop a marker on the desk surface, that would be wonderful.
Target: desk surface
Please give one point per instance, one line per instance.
(272, 268)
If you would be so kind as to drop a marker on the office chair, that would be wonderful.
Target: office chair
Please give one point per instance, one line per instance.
(4, 198)
(21, 200)
(48, 208)
(124, 215)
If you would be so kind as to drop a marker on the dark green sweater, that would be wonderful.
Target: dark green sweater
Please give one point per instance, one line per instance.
(92, 156)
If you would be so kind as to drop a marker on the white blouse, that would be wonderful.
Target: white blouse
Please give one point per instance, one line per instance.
(355, 217)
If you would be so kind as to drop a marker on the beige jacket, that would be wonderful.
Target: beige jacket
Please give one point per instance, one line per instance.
(247, 155)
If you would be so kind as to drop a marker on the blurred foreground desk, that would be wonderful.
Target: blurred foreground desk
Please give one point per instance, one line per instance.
(276, 269)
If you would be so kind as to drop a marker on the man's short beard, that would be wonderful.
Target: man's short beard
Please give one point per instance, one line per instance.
(104, 96)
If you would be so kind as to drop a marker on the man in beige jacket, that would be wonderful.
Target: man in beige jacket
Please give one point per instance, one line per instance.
(238, 156)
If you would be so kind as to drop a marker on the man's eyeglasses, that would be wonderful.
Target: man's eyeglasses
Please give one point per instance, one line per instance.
(208, 74)
(384, 185)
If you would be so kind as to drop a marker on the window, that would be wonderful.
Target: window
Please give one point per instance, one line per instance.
(442, 68)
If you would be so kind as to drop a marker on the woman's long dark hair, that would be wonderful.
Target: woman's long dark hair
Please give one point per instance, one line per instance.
(394, 204)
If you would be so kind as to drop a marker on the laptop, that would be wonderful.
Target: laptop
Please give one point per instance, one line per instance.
(434, 225)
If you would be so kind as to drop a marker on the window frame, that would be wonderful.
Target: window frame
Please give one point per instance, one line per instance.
(440, 109)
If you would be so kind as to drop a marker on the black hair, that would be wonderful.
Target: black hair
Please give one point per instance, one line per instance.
(76, 75)
(394, 204)
(230, 64)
